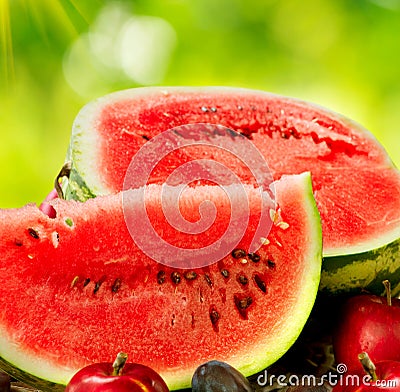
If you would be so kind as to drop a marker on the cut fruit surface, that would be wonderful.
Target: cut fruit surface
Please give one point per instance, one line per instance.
(355, 184)
(86, 291)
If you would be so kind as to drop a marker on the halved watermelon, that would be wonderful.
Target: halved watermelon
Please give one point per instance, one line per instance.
(355, 184)
(76, 289)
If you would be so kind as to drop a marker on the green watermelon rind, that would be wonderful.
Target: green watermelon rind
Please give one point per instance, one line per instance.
(77, 188)
(29, 379)
(366, 270)
(81, 149)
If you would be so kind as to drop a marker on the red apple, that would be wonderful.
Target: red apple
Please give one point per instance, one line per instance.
(368, 323)
(107, 377)
(379, 377)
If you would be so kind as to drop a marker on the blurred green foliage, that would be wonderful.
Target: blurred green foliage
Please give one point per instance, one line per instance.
(56, 55)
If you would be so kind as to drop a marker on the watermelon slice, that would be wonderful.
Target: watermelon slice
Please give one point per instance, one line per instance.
(355, 184)
(76, 289)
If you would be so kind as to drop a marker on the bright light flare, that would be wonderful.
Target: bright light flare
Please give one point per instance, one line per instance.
(45, 15)
(120, 47)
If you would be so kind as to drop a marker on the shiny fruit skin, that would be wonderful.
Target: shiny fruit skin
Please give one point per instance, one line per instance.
(385, 371)
(98, 377)
(367, 323)
(217, 376)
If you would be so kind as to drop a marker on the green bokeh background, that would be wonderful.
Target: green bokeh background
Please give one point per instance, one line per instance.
(342, 54)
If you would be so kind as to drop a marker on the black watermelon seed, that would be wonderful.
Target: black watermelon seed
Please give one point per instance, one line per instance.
(18, 242)
(190, 275)
(33, 233)
(260, 283)
(86, 282)
(214, 317)
(242, 304)
(145, 137)
(98, 284)
(176, 277)
(271, 264)
(161, 277)
(208, 280)
(116, 285)
(254, 257)
(242, 280)
(238, 253)
(225, 273)
(246, 135)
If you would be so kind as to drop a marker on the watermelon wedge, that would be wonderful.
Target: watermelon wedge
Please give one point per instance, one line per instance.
(355, 184)
(76, 289)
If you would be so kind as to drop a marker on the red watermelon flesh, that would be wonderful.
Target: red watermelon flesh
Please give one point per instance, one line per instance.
(356, 187)
(76, 289)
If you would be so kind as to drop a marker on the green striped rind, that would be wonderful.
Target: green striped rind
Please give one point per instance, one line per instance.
(76, 188)
(82, 153)
(30, 379)
(362, 271)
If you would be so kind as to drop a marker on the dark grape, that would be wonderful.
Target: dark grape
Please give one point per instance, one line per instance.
(216, 376)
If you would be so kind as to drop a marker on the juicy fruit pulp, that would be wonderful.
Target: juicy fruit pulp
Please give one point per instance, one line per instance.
(348, 165)
(86, 291)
